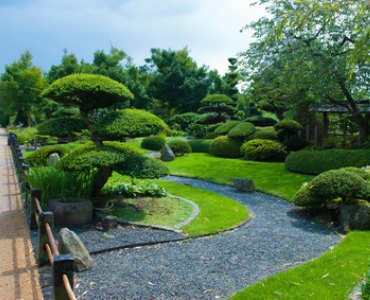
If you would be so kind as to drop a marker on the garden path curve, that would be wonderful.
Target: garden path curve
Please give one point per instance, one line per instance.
(277, 238)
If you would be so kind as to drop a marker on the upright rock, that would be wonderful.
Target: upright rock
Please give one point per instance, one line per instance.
(167, 153)
(69, 242)
(243, 184)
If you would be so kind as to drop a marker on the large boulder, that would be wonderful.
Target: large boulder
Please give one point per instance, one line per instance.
(243, 184)
(167, 153)
(355, 216)
(69, 242)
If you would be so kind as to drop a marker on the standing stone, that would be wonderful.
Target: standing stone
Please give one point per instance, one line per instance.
(243, 184)
(53, 159)
(69, 242)
(109, 222)
(166, 153)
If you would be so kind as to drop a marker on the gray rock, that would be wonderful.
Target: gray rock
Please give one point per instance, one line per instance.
(166, 153)
(53, 158)
(243, 184)
(69, 242)
(109, 222)
(355, 216)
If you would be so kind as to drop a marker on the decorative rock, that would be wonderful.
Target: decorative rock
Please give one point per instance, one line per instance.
(244, 184)
(166, 153)
(69, 242)
(355, 216)
(53, 158)
(109, 222)
(71, 211)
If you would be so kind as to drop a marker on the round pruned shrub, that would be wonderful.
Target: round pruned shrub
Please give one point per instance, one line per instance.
(201, 145)
(41, 155)
(267, 133)
(183, 120)
(153, 142)
(197, 130)
(61, 127)
(261, 121)
(225, 147)
(243, 131)
(315, 162)
(287, 129)
(226, 127)
(179, 147)
(263, 150)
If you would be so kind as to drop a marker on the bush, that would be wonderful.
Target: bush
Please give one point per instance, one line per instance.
(200, 145)
(24, 135)
(179, 147)
(263, 150)
(316, 162)
(261, 121)
(226, 127)
(287, 129)
(61, 127)
(243, 131)
(197, 130)
(365, 289)
(41, 155)
(183, 120)
(296, 143)
(224, 147)
(266, 133)
(153, 142)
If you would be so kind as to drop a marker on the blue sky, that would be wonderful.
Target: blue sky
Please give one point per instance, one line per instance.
(210, 29)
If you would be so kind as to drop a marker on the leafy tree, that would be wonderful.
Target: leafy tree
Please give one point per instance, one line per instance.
(68, 66)
(20, 88)
(320, 50)
(219, 108)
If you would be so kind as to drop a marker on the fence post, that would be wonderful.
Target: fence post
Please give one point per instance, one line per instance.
(63, 264)
(44, 217)
(35, 193)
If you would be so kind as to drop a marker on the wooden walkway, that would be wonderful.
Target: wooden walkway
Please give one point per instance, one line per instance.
(19, 277)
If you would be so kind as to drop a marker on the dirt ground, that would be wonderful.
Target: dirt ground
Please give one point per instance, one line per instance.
(19, 277)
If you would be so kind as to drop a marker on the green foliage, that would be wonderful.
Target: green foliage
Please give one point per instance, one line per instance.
(244, 131)
(87, 91)
(296, 143)
(225, 147)
(263, 150)
(216, 99)
(183, 120)
(316, 162)
(24, 135)
(134, 188)
(61, 127)
(224, 129)
(201, 145)
(179, 147)
(331, 185)
(128, 123)
(287, 129)
(197, 130)
(261, 121)
(218, 109)
(365, 288)
(153, 142)
(40, 156)
(266, 133)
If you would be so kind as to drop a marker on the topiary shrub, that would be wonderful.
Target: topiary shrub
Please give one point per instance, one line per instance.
(197, 130)
(61, 127)
(153, 142)
(316, 162)
(263, 150)
(226, 127)
(287, 129)
(243, 131)
(183, 120)
(41, 155)
(266, 133)
(223, 146)
(296, 144)
(179, 147)
(201, 145)
(261, 121)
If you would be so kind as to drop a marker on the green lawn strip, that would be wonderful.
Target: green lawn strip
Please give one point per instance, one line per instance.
(217, 213)
(331, 276)
(270, 178)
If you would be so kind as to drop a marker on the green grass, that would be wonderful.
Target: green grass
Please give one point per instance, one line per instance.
(270, 178)
(330, 277)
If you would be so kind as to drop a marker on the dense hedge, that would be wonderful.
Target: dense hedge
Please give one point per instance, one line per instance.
(226, 127)
(261, 121)
(61, 127)
(179, 147)
(267, 133)
(41, 155)
(201, 145)
(153, 142)
(243, 131)
(316, 162)
(225, 147)
(263, 150)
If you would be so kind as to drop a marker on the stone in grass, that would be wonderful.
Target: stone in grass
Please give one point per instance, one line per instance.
(355, 216)
(243, 184)
(69, 242)
(109, 222)
(167, 153)
(53, 159)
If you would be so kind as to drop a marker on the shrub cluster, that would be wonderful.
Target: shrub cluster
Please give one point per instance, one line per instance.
(24, 136)
(201, 145)
(261, 121)
(226, 127)
(61, 127)
(263, 150)
(179, 147)
(223, 146)
(153, 142)
(316, 162)
(183, 121)
(344, 184)
(266, 133)
(365, 288)
(243, 131)
(287, 129)
(41, 155)
(197, 130)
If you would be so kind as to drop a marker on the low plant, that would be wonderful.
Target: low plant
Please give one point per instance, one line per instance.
(153, 142)
(41, 155)
(200, 145)
(179, 147)
(225, 147)
(365, 288)
(24, 135)
(263, 150)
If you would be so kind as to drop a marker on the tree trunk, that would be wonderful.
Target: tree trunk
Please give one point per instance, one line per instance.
(100, 179)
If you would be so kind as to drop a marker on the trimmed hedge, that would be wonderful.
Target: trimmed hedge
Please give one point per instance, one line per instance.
(153, 142)
(225, 147)
(61, 127)
(226, 127)
(40, 156)
(261, 121)
(243, 131)
(179, 147)
(316, 162)
(266, 133)
(263, 150)
(201, 145)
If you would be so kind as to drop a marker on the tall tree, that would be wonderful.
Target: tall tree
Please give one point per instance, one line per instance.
(21, 86)
(324, 48)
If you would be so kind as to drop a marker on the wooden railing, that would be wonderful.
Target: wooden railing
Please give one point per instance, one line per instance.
(62, 264)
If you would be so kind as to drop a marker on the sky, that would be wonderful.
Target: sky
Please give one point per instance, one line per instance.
(210, 29)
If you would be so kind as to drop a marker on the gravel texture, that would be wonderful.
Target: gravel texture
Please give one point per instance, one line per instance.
(277, 238)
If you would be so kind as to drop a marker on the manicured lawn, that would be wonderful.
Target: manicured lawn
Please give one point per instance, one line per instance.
(330, 277)
(270, 178)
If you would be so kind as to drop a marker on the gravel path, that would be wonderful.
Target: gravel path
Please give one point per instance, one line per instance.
(277, 238)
